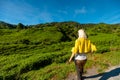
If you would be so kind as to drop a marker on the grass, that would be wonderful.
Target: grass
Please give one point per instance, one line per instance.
(60, 71)
(103, 61)
(56, 71)
(37, 54)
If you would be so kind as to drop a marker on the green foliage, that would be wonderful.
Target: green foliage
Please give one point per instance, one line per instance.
(24, 41)
(4, 25)
(20, 26)
(103, 49)
(41, 51)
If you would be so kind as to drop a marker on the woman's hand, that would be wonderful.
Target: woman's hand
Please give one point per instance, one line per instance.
(69, 60)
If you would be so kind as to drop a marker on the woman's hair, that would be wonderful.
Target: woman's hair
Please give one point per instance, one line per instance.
(82, 34)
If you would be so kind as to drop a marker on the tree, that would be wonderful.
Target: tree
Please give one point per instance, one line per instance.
(20, 26)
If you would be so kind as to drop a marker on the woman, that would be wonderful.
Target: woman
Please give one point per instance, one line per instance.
(82, 46)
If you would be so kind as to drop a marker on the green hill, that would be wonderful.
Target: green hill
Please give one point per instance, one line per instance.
(4, 25)
(40, 52)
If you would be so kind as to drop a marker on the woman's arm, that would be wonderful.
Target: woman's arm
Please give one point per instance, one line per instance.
(71, 57)
(74, 50)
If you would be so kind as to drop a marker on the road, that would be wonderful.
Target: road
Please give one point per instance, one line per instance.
(112, 73)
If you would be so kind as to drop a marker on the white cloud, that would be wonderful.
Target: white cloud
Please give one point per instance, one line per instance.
(116, 21)
(23, 12)
(45, 17)
(80, 11)
(63, 11)
(111, 18)
(114, 18)
(17, 11)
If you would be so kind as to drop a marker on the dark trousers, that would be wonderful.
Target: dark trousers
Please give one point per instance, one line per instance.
(79, 68)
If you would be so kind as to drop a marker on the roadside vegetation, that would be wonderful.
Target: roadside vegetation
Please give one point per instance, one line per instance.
(41, 52)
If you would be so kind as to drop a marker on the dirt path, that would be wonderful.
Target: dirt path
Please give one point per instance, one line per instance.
(113, 73)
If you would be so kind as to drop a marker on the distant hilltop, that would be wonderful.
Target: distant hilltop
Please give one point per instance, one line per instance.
(5, 25)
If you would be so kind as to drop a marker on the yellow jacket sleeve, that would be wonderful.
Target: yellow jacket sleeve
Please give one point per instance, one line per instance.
(75, 49)
(93, 48)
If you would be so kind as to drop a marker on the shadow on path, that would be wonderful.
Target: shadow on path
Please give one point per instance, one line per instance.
(106, 75)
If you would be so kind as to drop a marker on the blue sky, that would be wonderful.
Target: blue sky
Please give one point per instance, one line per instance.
(44, 11)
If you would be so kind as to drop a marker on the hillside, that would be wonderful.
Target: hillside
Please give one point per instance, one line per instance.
(41, 51)
(4, 25)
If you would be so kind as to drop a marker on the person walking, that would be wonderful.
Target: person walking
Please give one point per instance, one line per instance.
(79, 52)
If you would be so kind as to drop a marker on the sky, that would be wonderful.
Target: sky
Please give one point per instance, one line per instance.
(30, 12)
